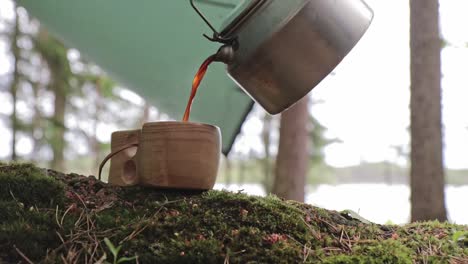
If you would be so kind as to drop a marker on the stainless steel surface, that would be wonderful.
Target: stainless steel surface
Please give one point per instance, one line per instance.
(241, 14)
(285, 48)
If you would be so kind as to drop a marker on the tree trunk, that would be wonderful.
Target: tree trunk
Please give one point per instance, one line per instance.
(36, 124)
(266, 138)
(58, 138)
(55, 55)
(14, 85)
(427, 172)
(95, 145)
(292, 158)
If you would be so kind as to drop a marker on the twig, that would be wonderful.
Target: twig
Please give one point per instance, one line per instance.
(306, 252)
(81, 200)
(101, 260)
(458, 260)
(78, 221)
(330, 225)
(314, 233)
(96, 245)
(332, 249)
(64, 214)
(22, 255)
(13, 196)
(364, 241)
(350, 246)
(135, 233)
(56, 217)
(60, 236)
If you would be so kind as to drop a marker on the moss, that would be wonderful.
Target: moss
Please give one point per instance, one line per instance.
(30, 186)
(378, 252)
(28, 229)
(66, 217)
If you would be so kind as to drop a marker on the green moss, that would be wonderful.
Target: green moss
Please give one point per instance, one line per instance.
(30, 230)
(68, 217)
(378, 252)
(30, 186)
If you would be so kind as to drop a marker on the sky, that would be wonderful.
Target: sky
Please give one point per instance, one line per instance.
(365, 103)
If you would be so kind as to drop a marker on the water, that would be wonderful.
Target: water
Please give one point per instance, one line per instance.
(378, 203)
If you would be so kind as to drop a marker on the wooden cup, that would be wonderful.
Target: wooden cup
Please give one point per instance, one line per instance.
(182, 155)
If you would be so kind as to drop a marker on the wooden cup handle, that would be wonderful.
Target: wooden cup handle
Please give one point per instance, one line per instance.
(112, 154)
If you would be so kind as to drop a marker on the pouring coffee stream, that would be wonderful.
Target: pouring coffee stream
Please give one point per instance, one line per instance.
(223, 55)
(195, 84)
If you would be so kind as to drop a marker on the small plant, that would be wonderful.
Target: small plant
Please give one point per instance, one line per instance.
(459, 236)
(115, 252)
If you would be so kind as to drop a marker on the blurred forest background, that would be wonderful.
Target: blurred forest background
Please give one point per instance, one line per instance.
(58, 109)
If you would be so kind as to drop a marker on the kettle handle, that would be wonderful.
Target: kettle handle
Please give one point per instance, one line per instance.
(216, 36)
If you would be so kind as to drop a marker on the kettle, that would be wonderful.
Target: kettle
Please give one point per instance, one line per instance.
(277, 51)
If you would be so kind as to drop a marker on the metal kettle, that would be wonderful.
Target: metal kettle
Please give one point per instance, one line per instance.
(277, 51)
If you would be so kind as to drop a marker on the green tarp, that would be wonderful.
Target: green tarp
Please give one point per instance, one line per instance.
(153, 47)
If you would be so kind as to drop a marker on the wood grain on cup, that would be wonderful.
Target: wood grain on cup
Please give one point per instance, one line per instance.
(173, 155)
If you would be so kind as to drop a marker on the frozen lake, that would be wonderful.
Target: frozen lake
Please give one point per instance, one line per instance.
(379, 203)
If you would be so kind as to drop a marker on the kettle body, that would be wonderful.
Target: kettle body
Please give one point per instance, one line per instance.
(283, 49)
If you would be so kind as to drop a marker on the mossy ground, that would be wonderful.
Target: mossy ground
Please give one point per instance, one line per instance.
(49, 217)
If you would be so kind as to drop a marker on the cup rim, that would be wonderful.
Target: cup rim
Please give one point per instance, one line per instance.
(156, 123)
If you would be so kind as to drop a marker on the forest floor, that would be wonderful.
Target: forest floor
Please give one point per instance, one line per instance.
(51, 217)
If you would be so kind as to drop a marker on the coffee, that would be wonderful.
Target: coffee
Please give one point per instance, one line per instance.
(195, 84)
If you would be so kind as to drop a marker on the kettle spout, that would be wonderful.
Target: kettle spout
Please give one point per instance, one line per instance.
(225, 54)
